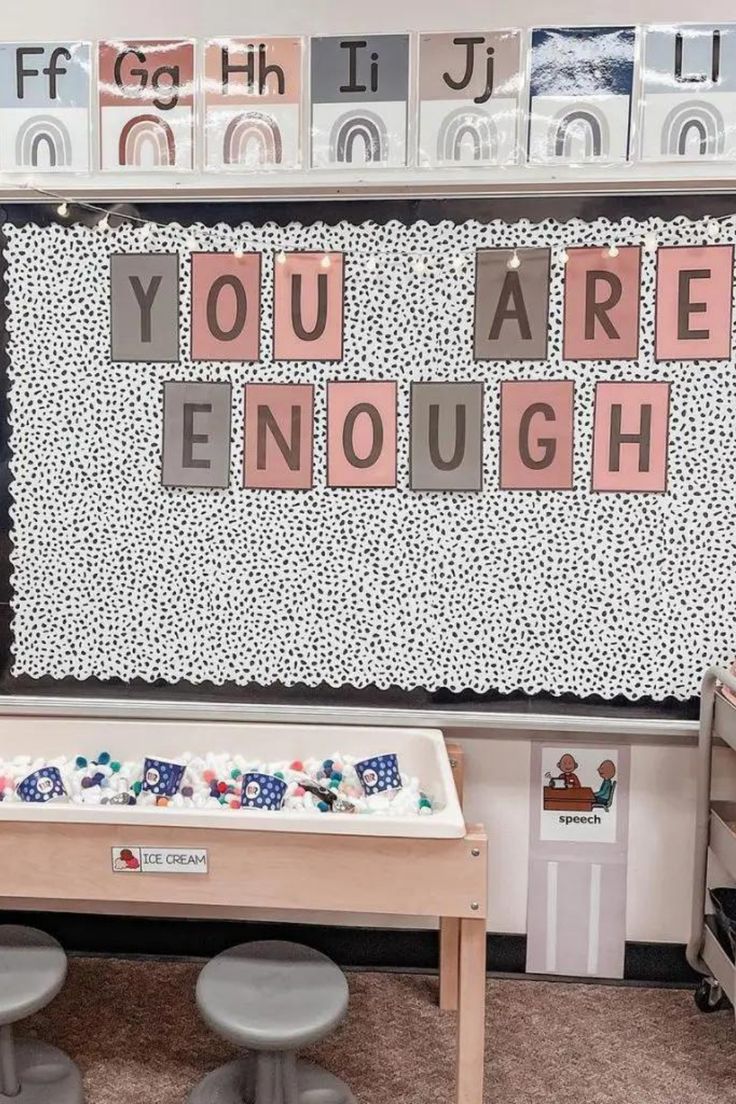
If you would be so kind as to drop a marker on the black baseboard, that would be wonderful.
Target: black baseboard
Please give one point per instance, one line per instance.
(356, 948)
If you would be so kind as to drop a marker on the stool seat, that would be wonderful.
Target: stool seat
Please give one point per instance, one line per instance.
(272, 996)
(32, 971)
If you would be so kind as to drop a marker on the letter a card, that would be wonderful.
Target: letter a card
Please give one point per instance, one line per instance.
(253, 97)
(146, 92)
(360, 93)
(469, 88)
(44, 107)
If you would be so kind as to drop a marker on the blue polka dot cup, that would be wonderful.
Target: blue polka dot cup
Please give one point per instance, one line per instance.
(41, 785)
(379, 774)
(262, 791)
(162, 777)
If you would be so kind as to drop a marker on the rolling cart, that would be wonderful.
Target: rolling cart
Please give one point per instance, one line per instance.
(715, 830)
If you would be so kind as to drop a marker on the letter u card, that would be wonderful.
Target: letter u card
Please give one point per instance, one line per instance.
(146, 92)
(688, 93)
(44, 107)
(253, 96)
(469, 88)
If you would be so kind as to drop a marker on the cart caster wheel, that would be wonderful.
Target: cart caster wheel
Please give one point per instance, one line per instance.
(708, 996)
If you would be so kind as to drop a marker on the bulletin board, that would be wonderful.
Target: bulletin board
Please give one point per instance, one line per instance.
(388, 591)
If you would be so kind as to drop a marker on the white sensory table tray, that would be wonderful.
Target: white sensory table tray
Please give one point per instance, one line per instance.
(60, 857)
(421, 751)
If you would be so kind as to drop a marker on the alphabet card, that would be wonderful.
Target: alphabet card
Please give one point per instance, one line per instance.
(580, 94)
(146, 93)
(469, 88)
(252, 98)
(688, 93)
(359, 95)
(45, 107)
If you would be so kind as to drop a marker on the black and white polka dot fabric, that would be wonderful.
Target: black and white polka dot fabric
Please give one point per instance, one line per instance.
(117, 577)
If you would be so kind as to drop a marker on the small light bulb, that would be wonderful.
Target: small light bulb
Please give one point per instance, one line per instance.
(281, 257)
(650, 243)
(147, 229)
(371, 264)
(564, 257)
(192, 244)
(458, 263)
(104, 223)
(419, 265)
(238, 252)
(63, 209)
(326, 261)
(514, 260)
(613, 250)
(712, 228)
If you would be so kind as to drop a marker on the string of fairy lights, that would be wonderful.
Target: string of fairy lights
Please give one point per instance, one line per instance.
(66, 206)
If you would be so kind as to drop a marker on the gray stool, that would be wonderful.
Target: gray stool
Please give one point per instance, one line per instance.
(32, 971)
(272, 998)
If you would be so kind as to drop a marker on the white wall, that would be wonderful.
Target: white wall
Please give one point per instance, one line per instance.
(200, 18)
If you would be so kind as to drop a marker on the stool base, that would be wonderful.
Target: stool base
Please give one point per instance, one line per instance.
(46, 1075)
(232, 1084)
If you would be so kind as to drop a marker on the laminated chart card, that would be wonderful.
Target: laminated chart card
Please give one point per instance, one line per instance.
(469, 87)
(360, 91)
(688, 93)
(253, 97)
(44, 107)
(580, 94)
(146, 91)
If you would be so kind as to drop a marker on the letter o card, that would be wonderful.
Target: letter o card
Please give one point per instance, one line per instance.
(146, 93)
(44, 107)
(226, 306)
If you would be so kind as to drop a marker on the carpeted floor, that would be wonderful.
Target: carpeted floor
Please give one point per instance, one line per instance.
(133, 1029)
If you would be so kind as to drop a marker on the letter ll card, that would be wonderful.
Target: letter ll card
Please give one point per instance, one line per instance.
(146, 93)
(469, 87)
(688, 93)
(44, 107)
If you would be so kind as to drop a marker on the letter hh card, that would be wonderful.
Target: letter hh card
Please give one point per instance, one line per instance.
(469, 86)
(44, 107)
(580, 94)
(688, 93)
(360, 91)
(253, 97)
(146, 91)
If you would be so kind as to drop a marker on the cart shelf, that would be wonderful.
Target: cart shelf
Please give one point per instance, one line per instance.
(723, 835)
(717, 960)
(724, 720)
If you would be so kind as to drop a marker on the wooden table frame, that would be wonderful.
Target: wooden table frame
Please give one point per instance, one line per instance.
(67, 867)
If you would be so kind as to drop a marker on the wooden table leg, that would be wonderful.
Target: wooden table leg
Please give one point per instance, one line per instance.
(471, 1008)
(449, 962)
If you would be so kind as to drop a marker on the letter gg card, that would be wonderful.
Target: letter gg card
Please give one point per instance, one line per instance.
(146, 91)
(469, 87)
(44, 107)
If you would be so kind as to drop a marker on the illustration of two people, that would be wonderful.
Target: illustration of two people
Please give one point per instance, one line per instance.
(603, 796)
